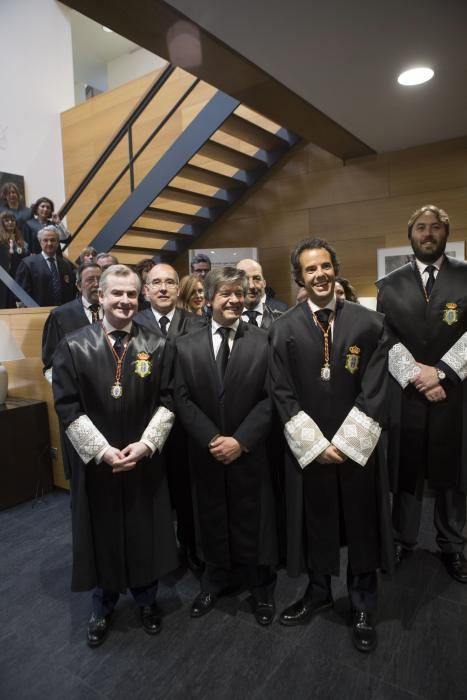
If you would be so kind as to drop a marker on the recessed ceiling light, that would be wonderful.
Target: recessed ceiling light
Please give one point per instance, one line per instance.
(415, 76)
(106, 29)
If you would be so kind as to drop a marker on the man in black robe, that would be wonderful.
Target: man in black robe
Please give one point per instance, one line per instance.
(425, 303)
(109, 382)
(165, 320)
(222, 401)
(328, 375)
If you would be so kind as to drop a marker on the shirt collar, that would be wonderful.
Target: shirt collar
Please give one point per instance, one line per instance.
(158, 315)
(330, 305)
(259, 308)
(109, 328)
(422, 266)
(47, 257)
(215, 325)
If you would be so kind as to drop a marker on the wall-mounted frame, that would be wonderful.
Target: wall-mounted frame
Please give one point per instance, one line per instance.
(18, 180)
(220, 257)
(389, 259)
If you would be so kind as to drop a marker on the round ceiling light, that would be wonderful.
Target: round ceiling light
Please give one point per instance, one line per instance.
(415, 76)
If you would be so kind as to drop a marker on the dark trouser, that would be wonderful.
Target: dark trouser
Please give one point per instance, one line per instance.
(260, 580)
(362, 589)
(449, 517)
(103, 601)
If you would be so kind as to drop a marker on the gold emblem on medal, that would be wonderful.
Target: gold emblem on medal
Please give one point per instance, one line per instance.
(450, 314)
(352, 359)
(143, 365)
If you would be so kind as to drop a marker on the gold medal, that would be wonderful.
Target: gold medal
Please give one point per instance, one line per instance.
(326, 373)
(116, 391)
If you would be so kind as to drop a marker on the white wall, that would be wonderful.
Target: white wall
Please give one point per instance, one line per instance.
(130, 66)
(36, 55)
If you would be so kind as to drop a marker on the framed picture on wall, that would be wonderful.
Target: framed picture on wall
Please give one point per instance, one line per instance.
(389, 259)
(18, 180)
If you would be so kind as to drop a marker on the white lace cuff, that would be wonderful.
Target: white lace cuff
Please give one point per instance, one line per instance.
(358, 436)
(87, 440)
(158, 429)
(456, 357)
(48, 375)
(402, 364)
(304, 438)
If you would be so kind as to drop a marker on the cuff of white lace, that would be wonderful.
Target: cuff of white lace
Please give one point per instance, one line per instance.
(87, 440)
(48, 375)
(158, 429)
(304, 438)
(358, 436)
(402, 365)
(456, 357)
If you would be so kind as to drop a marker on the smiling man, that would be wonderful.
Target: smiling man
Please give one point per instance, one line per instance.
(222, 401)
(328, 377)
(425, 303)
(110, 387)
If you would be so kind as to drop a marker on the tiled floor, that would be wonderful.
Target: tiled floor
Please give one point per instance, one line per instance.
(422, 651)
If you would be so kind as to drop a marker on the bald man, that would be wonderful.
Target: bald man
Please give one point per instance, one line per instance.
(256, 311)
(163, 318)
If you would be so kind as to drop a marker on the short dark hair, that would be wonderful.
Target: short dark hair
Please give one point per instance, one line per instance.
(349, 291)
(310, 244)
(85, 266)
(440, 214)
(200, 258)
(39, 201)
(223, 275)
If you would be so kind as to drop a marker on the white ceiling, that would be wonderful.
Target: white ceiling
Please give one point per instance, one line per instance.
(343, 56)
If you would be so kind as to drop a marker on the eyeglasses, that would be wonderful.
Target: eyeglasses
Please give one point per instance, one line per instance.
(157, 284)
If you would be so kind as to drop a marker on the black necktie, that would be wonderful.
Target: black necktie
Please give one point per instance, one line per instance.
(323, 317)
(119, 347)
(94, 309)
(252, 314)
(56, 287)
(222, 356)
(164, 322)
(430, 283)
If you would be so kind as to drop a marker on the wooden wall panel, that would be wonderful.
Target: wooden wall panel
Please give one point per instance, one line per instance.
(25, 378)
(358, 206)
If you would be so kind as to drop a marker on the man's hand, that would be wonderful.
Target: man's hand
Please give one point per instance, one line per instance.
(435, 394)
(331, 455)
(426, 379)
(225, 449)
(112, 456)
(130, 456)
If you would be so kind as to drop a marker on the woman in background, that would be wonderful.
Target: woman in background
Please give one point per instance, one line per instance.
(191, 295)
(43, 214)
(12, 201)
(344, 290)
(13, 249)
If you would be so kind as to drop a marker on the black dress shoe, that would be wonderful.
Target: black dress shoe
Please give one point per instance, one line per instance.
(363, 632)
(98, 629)
(456, 565)
(302, 611)
(264, 613)
(151, 618)
(202, 604)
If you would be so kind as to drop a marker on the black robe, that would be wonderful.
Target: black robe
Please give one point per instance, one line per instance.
(426, 438)
(330, 504)
(122, 525)
(234, 504)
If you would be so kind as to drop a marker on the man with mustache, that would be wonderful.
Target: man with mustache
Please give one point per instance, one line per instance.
(222, 400)
(110, 383)
(256, 310)
(425, 303)
(328, 377)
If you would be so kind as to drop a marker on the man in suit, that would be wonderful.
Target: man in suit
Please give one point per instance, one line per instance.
(222, 400)
(110, 383)
(165, 320)
(200, 265)
(105, 260)
(72, 315)
(47, 277)
(256, 310)
(425, 303)
(328, 377)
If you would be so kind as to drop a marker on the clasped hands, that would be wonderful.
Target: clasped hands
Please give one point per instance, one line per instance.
(126, 459)
(331, 455)
(225, 449)
(427, 382)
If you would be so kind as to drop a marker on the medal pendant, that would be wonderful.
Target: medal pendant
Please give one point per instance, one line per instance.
(326, 373)
(116, 391)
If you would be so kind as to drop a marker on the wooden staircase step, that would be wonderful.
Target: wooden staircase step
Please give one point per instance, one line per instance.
(230, 156)
(251, 133)
(209, 177)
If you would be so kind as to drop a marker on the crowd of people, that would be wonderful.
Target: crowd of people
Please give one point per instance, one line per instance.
(260, 428)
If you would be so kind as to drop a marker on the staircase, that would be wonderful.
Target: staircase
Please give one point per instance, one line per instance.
(196, 161)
